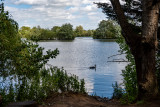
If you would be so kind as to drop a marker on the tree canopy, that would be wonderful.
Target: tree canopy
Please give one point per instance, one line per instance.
(66, 32)
(106, 29)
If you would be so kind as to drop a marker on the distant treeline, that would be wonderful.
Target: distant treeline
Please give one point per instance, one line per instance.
(106, 29)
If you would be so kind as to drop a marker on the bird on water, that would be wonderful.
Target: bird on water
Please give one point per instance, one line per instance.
(92, 67)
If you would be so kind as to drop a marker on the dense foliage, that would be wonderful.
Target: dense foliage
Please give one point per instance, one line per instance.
(37, 33)
(80, 32)
(106, 30)
(9, 41)
(132, 9)
(23, 71)
(66, 32)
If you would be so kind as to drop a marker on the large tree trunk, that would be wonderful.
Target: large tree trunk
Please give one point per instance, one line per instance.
(145, 68)
(145, 61)
(143, 47)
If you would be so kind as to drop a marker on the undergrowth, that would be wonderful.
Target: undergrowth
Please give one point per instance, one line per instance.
(45, 82)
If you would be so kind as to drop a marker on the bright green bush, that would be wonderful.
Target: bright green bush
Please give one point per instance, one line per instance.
(117, 91)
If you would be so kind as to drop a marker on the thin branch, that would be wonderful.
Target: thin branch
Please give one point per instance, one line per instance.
(117, 61)
(50, 65)
(116, 55)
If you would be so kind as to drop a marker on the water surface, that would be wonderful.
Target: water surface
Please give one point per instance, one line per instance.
(78, 55)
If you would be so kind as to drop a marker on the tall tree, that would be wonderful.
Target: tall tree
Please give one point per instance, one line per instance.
(106, 29)
(25, 32)
(55, 30)
(9, 40)
(66, 32)
(142, 45)
(79, 31)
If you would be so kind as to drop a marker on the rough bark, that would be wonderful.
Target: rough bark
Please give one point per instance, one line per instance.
(143, 47)
(146, 74)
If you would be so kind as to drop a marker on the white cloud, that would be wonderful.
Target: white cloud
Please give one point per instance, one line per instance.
(50, 2)
(90, 8)
(92, 13)
(31, 2)
(74, 9)
(48, 13)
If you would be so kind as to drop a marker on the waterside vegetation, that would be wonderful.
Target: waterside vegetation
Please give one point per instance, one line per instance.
(23, 72)
(107, 29)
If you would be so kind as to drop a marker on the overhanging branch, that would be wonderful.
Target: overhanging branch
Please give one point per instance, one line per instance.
(130, 36)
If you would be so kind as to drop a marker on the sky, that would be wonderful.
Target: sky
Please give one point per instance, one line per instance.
(49, 13)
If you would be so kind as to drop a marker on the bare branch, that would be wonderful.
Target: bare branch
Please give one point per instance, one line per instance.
(116, 55)
(117, 61)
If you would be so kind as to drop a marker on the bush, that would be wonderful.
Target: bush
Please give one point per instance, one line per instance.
(117, 92)
(41, 85)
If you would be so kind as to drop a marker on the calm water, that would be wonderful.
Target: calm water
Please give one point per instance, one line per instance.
(78, 55)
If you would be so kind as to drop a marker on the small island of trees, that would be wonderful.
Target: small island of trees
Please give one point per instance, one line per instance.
(107, 29)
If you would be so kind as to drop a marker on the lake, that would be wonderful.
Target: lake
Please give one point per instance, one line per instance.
(78, 55)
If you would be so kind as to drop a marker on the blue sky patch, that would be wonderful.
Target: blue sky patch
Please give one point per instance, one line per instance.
(21, 6)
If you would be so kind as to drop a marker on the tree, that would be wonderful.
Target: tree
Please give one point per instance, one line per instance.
(106, 29)
(66, 32)
(25, 32)
(89, 33)
(46, 34)
(55, 30)
(9, 40)
(142, 45)
(35, 33)
(79, 31)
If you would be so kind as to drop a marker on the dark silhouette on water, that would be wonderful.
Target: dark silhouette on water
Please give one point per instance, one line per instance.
(92, 67)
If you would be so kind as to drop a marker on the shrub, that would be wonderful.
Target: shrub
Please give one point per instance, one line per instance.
(117, 91)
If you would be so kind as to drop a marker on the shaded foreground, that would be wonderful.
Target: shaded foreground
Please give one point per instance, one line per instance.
(82, 100)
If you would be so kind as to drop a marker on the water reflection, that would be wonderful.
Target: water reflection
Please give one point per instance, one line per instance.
(77, 56)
